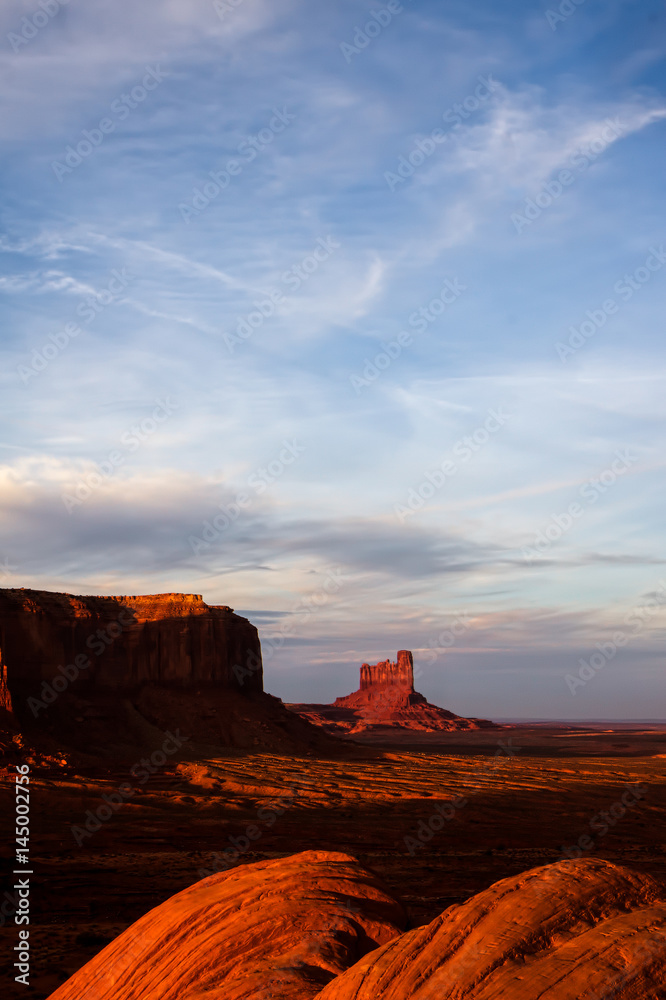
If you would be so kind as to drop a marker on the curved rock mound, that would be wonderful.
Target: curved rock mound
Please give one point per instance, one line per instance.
(583, 929)
(279, 929)
(386, 698)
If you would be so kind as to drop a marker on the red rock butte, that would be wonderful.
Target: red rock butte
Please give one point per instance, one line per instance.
(104, 674)
(387, 674)
(386, 698)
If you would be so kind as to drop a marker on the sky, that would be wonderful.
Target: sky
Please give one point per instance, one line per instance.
(348, 316)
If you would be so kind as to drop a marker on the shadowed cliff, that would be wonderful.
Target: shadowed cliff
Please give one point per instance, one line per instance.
(106, 674)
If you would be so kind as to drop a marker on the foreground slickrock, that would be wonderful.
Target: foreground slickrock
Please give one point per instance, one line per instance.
(579, 930)
(279, 929)
(318, 924)
(386, 698)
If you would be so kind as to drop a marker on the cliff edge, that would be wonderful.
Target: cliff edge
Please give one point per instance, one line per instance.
(104, 675)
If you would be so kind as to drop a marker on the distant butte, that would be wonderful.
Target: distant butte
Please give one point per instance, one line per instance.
(385, 699)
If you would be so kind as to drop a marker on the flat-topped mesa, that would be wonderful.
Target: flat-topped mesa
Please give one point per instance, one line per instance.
(120, 643)
(387, 674)
(109, 676)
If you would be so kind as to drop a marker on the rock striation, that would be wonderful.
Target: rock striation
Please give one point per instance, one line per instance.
(386, 698)
(387, 675)
(584, 928)
(318, 924)
(103, 673)
(280, 929)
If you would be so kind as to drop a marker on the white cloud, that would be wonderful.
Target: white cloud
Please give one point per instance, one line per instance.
(174, 261)
(46, 245)
(42, 282)
(520, 144)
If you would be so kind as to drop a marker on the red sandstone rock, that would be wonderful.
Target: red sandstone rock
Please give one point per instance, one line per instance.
(386, 697)
(398, 675)
(319, 925)
(279, 929)
(104, 674)
(175, 640)
(583, 929)
(7, 717)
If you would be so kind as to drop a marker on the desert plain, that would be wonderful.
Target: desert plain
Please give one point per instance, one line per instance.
(142, 786)
(523, 809)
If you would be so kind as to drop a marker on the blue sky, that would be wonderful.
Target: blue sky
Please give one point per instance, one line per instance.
(386, 303)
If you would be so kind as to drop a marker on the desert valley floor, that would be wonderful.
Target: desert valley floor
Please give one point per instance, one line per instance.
(528, 791)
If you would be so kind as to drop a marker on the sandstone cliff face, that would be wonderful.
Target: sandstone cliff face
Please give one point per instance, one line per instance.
(6, 713)
(386, 689)
(107, 676)
(385, 698)
(386, 674)
(120, 643)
